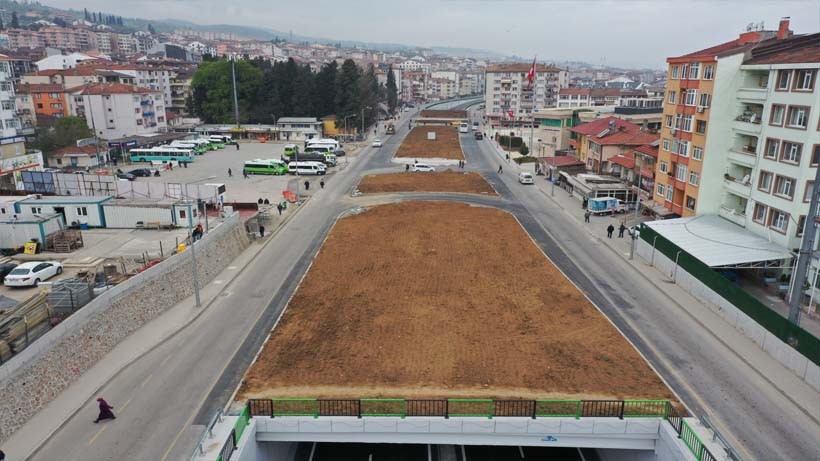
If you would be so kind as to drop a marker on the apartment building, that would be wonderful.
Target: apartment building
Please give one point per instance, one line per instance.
(764, 145)
(692, 80)
(599, 141)
(507, 91)
(47, 99)
(588, 97)
(117, 110)
(13, 156)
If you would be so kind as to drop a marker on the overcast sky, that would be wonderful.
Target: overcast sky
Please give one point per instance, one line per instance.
(615, 32)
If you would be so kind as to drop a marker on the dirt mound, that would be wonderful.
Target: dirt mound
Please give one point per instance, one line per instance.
(429, 299)
(444, 181)
(446, 144)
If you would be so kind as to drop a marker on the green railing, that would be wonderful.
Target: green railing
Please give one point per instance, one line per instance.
(807, 344)
(242, 423)
(692, 440)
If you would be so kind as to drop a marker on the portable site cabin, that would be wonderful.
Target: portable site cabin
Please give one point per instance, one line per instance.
(136, 214)
(7, 204)
(76, 210)
(17, 229)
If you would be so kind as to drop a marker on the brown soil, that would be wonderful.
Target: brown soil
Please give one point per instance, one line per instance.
(446, 145)
(427, 299)
(443, 114)
(444, 181)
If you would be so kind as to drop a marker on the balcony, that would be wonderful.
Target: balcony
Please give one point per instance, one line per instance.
(147, 114)
(752, 94)
(747, 124)
(733, 215)
(737, 186)
(742, 157)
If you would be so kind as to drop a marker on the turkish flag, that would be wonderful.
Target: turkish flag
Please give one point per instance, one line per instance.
(531, 74)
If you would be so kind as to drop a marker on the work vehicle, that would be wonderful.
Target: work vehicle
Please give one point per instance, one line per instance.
(606, 205)
(141, 173)
(525, 178)
(307, 168)
(475, 126)
(265, 166)
(463, 127)
(30, 274)
(377, 142)
(162, 154)
(479, 135)
(423, 168)
(391, 129)
(290, 151)
(5, 268)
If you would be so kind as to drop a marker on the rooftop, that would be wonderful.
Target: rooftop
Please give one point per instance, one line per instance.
(74, 150)
(296, 120)
(615, 131)
(47, 199)
(648, 149)
(797, 49)
(520, 67)
(114, 88)
(40, 88)
(563, 160)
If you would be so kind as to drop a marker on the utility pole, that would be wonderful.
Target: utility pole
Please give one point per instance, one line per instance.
(804, 258)
(193, 256)
(235, 99)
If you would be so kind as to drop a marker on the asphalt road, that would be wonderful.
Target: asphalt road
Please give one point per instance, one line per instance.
(167, 397)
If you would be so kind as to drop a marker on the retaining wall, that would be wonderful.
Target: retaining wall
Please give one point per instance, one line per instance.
(782, 352)
(33, 378)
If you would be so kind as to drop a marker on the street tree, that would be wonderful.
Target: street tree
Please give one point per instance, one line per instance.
(15, 23)
(392, 91)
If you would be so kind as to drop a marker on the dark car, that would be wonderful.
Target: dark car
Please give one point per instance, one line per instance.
(141, 173)
(5, 269)
(339, 152)
(127, 176)
(478, 135)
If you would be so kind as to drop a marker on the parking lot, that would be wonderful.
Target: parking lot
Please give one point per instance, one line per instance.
(212, 168)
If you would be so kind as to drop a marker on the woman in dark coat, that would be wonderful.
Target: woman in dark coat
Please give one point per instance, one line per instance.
(105, 411)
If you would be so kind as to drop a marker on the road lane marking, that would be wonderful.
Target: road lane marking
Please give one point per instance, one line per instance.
(165, 360)
(93, 439)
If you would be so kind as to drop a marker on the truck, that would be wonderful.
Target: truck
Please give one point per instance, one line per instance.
(391, 129)
(606, 205)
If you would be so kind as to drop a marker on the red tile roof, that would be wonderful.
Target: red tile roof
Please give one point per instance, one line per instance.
(562, 161)
(520, 67)
(742, 43)
(74, 150)
(40, 88)
(626, 160)
(624, 133)
(649, 150)
(796, 49)
(114, 88)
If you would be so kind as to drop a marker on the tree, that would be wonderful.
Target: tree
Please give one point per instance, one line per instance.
(86, 15)
(326, 89)
(65, 132)
(15, 23)
(347, 92)
(523, 150)
(212, 91)
(392, 91)
(2, 26)
(151, 29)
(369, 96)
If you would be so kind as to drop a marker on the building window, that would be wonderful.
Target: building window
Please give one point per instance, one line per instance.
(694, 71)
(798, 117)
(697, 153)
(705, 100)
(791, 152)
(689, 97)
(808, 191)
(669, 121)
(777, 114)
(669, 192)
(660, 190)
(690, 203)
(708, 72)
(764, 182)
(680, 172)
(139, 121)
(8, 105)
(815, 155)
(694, 178)
(772, 146)
(686, 124)
(675, 72)
(801, 224)
(666, 144)
(672, 96)
(784, 187)
(783, 79)
(804, 80)
(664, 167)
(700, 126)
(136, 110)
(684, 72)
(759, 215)
(82, 211)
(778, 220)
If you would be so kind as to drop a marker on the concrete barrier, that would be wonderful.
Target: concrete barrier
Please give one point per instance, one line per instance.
(35, 376)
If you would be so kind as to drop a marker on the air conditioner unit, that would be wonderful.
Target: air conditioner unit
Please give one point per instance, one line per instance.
(701, 109)
(673, 131)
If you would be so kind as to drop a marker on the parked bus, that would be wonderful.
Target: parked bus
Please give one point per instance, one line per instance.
(204, 143)
(197, 148)
(221, 138)
(323, 142)
(266, 166)
(317, 168)
(162, 154)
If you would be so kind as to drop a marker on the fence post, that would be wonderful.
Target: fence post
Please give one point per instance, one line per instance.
(534, 408)
(652, 263)
(446, 408)
(675, 270)
(623, 404)
(359, 408)
(578, 409)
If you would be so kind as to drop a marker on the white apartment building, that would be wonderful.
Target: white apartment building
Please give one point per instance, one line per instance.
(13, 155)
(117, 110)
(507, 89)
(413, 65)
(763, 142)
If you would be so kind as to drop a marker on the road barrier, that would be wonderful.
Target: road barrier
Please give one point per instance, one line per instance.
(482, 408)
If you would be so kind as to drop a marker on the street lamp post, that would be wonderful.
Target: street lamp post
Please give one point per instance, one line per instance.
(193, 257)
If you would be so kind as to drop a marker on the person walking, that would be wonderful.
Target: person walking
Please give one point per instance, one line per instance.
(586, 216)
(407, 167)
(307, 185)
(261, 231)
(279, 208)
(322, 183)
(500, 170)
(197, 233)
(245, 173)
(230, 173)
(610, 230)
(105, 411)
(621, 230)
(237, 145)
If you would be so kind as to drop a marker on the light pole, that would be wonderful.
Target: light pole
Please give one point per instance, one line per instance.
(193, 256)
(204, 208)
(363, 133)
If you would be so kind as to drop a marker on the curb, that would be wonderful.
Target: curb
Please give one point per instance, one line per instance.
(161, 341)
(748, 363)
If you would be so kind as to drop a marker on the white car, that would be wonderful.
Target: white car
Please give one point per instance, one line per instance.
(32, 273)
(525, 178)
(377, 143)
(423, 167)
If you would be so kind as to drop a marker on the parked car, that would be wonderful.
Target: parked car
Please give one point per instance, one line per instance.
(525, 178)
(475, 126)
(339, 152)
(141, 173)
(479, 135)
(423, 167)
(377, 142)
(32, 273)
(5, 269)
(126, 176)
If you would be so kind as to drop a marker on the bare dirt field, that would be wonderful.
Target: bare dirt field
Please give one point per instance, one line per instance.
(432, 113)
(446, 144)
(433, 299)
(443, 181)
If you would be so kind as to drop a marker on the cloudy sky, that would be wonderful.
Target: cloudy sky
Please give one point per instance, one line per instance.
(615, 32)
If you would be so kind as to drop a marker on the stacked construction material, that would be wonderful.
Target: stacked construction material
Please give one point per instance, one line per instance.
(68, 295)
(23, 324)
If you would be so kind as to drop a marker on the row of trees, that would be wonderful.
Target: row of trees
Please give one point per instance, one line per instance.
(268, 91)
(99, 18)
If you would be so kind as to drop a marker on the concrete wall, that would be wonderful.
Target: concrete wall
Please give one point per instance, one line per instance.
(31, 379)
(783, 353)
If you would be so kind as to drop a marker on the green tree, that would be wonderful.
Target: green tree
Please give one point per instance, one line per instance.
(326, 89)
(85, 14)
(212, 91)
(304, 93)
(392, 91)
(65, 132)
(523, 150)
(151, 29)
(15, 23)
(369, 96)
(347, 92)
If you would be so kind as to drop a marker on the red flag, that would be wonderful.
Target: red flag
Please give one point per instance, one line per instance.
(531, 74)
(511, 113)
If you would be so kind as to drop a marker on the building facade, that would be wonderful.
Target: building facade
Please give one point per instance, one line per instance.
(508, 93)
(117, 110)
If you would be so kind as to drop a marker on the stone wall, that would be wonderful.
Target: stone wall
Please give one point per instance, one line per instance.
(33, 378)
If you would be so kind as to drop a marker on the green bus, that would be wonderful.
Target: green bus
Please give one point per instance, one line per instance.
(266, 166)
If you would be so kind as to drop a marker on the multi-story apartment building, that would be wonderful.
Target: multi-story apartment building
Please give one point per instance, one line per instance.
(587, 97)
(13, 156)
(47, 99)
(180, 90)
(764, 141)
(507, 90)
(443, 88)
(692, 80)
(117, 110)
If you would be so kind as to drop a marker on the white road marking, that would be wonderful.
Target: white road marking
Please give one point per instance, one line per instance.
(147, 380)
(93, 439)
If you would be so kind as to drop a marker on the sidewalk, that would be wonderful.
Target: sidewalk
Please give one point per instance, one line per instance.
(790, 385)
(51, 418)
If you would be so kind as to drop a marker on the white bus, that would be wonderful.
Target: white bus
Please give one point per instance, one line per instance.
(162, 154)
(323, 142)
(317, 168)
(221, 138)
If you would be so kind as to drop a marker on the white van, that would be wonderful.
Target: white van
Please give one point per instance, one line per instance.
(323, 142)
(525, 178)
(464, 128)
(308, 168)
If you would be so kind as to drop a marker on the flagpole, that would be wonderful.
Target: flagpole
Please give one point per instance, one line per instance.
(534, 99)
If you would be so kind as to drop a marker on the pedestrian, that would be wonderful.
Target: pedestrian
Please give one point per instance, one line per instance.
(245, 173)
(279, 208)
(267, 202)
(2, 455)
(197, 233)
(609, 230)
(105, 411)
(621, 230)
(230, 173)
(170, 166)
(237, 145)
(260, 201)
(261, 231)
(500, 170)
(584, 203)
(322, 183)
(415, 160)
(307, 185)
(586, 216)
(407, 167)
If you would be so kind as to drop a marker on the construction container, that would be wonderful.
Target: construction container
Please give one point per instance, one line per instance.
(133, 214)
(16, 230)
